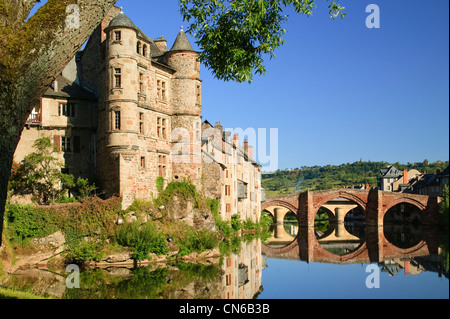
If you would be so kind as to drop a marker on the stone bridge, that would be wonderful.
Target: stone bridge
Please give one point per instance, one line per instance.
(374, 204)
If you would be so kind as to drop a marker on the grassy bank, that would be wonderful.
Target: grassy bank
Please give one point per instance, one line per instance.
(6, 293)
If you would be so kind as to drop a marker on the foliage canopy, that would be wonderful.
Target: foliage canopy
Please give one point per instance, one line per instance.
(234, 36)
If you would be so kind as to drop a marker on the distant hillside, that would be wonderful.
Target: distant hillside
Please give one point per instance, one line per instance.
(331, 176)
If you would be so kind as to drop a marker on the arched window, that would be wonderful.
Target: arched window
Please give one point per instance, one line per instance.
(138, 47)
(144, 50)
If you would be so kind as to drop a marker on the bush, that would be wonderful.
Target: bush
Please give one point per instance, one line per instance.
(24, 222)
(85, 252)
(160, 184)
(142, 239)
(186, 190)
(236, 222)
(197, 242)
(266, 220)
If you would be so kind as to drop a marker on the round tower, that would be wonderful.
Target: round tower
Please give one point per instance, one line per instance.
(186, 103)
(118, 124)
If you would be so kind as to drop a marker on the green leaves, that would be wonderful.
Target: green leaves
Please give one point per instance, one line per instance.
(235, 36)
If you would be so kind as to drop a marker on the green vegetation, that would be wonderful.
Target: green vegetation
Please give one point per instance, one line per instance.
(332, 176)
(234, 36)
(143, 239)
(16, 294)
(197, 242)
(40, 174)
(91, 231)
(145, 282)
(185, 189)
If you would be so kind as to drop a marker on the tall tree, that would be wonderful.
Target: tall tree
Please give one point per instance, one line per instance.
(235, 35)
(32, 53)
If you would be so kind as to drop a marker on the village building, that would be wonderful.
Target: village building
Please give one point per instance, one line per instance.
(413, 181)
(230, 174)
(127, 110)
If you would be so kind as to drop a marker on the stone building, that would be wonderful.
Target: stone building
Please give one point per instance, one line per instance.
(67, 113)
(127, 110)
(230, 174)
(149, 108)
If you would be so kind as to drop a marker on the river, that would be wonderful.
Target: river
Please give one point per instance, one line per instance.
(395, 262)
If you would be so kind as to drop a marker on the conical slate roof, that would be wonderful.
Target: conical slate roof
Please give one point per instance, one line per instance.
(182, 43)
(121, 20)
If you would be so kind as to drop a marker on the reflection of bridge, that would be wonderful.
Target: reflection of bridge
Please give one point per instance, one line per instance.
(374, 247)
(373, 204)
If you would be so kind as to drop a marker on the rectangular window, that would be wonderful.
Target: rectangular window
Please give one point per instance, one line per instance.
(117, 123)
(117, 35)
(66, 146)
(161, 90)
(117, 78)
(141, 83)
(161, 126)
(66, 109)
(227, 190)
(162, 166)
(141, 123)
(142, 162)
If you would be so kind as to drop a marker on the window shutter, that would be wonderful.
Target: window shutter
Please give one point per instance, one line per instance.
(57, 142)
(76, 144)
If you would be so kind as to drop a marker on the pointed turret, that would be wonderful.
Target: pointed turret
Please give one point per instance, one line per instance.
(182, 42)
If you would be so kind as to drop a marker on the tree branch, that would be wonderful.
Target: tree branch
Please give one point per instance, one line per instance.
(14, 13)
(47, 42)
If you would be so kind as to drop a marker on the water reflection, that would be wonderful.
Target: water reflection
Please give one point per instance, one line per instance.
(237, 275)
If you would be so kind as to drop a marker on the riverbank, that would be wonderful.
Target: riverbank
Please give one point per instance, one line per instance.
(178, 226)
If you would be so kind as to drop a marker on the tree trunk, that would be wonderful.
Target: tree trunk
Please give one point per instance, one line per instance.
(10, 132)
(32, 54)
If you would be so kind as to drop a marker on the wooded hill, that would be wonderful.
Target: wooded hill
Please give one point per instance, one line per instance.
(331, 176)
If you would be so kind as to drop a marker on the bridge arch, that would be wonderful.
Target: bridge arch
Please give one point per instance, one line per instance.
(340, 194)
(279, 203)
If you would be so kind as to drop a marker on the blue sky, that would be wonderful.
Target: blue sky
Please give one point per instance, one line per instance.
(338, 91)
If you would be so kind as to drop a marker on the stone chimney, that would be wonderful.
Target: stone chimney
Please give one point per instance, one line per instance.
(55, 85)
(161, 43)
(250, 151)
(245, 146)
(405, 176)
(219, 126)
(236, 140)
